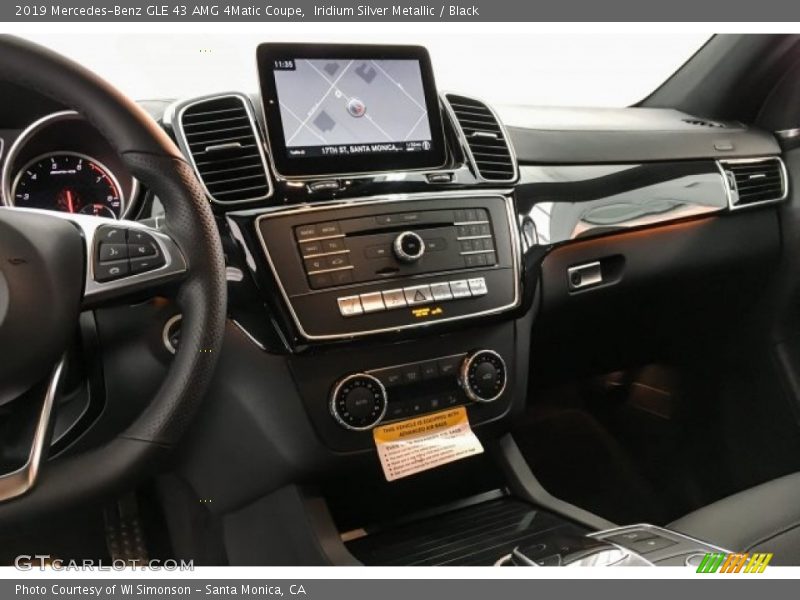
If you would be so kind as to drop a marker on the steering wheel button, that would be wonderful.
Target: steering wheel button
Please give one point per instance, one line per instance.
(138, 237)
(112, 235)
(111, 270)
(111, 252)
(140, 265)
(140, 250)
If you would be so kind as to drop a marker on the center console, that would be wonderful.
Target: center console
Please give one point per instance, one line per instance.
(505, 531)
(351, 270)
(385, 298)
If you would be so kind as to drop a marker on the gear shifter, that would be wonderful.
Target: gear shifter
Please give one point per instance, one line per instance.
(573, 550)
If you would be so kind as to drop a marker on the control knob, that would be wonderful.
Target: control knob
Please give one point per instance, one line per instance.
(408, 247)
(358, 402)
(483, 376)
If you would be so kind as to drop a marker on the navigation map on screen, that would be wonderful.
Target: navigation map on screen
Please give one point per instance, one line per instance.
(343, 107)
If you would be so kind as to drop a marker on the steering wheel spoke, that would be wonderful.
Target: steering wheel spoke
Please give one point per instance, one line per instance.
(25, 449)
(126, 258)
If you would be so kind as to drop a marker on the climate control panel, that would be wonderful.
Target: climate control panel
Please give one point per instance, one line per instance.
(360, 401)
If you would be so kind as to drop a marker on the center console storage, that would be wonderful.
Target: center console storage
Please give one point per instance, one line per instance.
(505, 531)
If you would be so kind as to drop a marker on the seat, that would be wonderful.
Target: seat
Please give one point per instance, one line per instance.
(765, 518)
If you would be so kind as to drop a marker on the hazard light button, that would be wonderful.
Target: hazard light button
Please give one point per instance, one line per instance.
(418, 294)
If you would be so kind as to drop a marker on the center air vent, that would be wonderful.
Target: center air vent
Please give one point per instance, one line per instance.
(488, 146)
(754, 181)
(220, 136)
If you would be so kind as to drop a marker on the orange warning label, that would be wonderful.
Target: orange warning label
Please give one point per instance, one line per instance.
(416, 445)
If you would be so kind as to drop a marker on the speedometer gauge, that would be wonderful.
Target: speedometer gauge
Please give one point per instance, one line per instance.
(68, 182)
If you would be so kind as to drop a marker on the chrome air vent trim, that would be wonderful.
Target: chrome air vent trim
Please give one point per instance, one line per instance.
(174, 118)
(736, 172)
(483, 129)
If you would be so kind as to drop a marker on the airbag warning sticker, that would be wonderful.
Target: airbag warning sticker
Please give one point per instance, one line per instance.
(416, 445)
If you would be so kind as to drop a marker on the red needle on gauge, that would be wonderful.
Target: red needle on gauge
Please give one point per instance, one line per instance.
(70, 203)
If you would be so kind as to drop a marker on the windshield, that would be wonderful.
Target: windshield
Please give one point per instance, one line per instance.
(601, 70)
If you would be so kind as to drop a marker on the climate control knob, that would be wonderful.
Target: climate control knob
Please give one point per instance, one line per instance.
(408, 247)
(483, 376)
(358, 402)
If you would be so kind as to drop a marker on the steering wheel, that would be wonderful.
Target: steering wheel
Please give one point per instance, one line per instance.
(49, 273)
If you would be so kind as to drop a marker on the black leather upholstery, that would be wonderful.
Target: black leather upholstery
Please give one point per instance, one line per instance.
(765, 518)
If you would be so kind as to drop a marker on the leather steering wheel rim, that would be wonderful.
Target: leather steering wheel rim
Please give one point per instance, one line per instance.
(151, 156)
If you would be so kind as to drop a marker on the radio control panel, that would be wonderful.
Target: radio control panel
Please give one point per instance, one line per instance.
(374, 266)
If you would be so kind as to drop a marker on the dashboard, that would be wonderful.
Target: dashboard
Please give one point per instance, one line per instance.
(392, 242)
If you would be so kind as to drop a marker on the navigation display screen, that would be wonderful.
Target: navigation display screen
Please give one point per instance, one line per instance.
(335, 109)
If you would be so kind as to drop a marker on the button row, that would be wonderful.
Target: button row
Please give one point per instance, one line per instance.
(331, 262)
(322, 247)
(317, 231)
(121, 252)
(385, 250)
(412, 296)
(419, 371)
(473, 230)
(407, 408)
(471, 215)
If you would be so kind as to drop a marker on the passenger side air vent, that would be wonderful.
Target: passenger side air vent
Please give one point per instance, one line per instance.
(220, 136)
(753, 181)
(485, 137)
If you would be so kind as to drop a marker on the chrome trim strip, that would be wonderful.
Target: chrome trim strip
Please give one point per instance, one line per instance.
(20, 481)
(511, 217)
(64, 115)
(248, 335)
(733, 196)
(173, 118)
(165, 333)
(323, 254)
(347, 268)
(788, 134)
(470, 252)
(320, 239)
(462, 138)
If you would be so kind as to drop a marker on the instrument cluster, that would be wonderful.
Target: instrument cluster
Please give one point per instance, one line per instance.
(62, 163)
